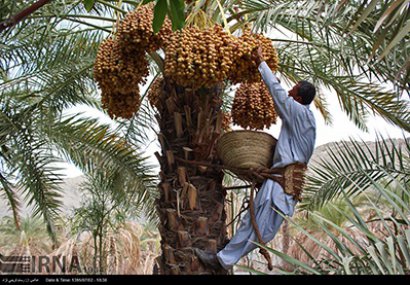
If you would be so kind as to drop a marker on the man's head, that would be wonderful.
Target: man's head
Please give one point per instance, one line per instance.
(304, 92)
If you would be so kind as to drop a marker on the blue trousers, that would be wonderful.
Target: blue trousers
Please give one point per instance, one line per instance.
(269, 197)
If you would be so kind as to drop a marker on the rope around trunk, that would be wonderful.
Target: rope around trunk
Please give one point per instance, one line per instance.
(290, 177)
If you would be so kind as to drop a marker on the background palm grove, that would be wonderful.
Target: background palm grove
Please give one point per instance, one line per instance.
(355, 214)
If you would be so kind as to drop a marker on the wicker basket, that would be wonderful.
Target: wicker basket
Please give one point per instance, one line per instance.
(245, 149)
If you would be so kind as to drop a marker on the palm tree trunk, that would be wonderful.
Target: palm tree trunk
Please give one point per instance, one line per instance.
(191, 202)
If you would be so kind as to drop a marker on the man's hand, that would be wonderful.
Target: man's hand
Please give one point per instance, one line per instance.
(257, 55)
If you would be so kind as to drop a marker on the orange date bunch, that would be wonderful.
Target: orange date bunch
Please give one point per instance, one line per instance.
(194, 58)
(253, 107)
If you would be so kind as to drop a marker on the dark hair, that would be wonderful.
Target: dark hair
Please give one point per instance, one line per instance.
(307, 91)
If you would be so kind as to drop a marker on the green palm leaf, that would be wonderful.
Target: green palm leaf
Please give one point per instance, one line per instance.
(351, 167)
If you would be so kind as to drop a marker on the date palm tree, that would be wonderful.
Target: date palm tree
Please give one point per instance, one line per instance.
(316, 41)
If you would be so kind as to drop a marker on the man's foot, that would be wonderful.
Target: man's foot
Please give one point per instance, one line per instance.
(208, 259)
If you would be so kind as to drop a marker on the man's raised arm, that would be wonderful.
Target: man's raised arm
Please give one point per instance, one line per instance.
(283, 103)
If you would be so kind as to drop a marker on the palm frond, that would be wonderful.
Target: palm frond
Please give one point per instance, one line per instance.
(89, 144)
(49, 80)
(352, 166)
(13, 200)
(40, 182)
(357, 97)
(81, 138)
(321, 103)
(28, 159)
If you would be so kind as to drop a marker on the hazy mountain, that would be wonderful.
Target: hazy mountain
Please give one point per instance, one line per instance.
(323, 151)
(71, 197)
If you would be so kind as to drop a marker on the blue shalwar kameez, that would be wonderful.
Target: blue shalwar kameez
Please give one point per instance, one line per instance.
(295, 144)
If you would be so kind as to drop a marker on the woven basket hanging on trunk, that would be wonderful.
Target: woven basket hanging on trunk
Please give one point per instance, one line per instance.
(244, 149)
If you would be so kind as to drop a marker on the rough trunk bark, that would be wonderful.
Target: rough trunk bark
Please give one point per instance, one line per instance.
(191, 203)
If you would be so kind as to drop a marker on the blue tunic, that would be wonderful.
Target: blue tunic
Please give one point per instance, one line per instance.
(295, 144)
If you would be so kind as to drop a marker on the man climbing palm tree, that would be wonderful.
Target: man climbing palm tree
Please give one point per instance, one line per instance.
(295, 145)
